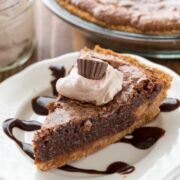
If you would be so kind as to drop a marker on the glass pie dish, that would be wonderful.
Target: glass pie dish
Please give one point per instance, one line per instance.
(156, 46)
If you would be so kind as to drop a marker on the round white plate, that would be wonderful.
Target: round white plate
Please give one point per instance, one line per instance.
(16, 94)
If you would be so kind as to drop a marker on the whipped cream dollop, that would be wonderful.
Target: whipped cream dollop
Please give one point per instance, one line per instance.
(98, 92)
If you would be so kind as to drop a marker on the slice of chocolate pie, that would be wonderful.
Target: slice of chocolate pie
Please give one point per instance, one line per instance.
(105, 97)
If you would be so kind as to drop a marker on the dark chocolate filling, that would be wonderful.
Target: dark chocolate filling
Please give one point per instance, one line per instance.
(71, 136)
(9, 124)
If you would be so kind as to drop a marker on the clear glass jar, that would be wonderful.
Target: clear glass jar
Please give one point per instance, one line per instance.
(17, 35)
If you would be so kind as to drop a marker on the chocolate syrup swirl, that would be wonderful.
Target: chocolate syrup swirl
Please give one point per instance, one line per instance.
(40, 103)
(144, 137)
(57, 72)
(10, 124)
(116, 167)
(169, 104)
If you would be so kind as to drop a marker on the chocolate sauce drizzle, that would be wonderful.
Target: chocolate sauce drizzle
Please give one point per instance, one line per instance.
(116, 167)
(169, 104)
(144, 137)
(40, 103)
(10, 124)
(57, 72)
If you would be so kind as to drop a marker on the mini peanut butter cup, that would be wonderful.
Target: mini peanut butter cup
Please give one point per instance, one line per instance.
(91, 68)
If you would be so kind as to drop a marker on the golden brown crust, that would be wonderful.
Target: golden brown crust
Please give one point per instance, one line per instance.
(85, 15)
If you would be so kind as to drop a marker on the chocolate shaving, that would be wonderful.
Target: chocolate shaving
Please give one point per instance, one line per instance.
(91, 68)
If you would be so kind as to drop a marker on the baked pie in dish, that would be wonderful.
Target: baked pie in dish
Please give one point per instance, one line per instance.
(137, 16)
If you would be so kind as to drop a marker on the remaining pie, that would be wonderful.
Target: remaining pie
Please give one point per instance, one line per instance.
(139, 16)
(105, 97)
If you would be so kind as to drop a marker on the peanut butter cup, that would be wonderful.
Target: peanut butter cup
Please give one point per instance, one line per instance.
(91, 68)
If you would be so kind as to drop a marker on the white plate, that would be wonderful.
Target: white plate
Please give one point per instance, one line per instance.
(15, 101)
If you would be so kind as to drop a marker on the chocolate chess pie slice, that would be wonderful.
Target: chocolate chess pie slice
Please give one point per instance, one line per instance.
(93, 111)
